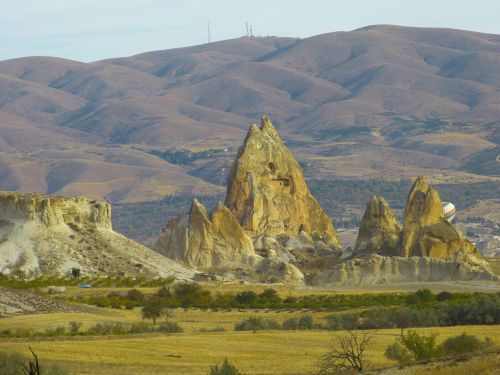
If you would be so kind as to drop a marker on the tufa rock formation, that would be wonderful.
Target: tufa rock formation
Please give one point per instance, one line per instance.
(430, 248)
(267, 192)
(52, 235)
(425, 231)
(375, 269)
(379, 230)
(216, 242)
(268, 201)
(202, 240)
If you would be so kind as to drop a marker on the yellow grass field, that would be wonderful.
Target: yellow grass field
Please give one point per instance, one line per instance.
(192, 352)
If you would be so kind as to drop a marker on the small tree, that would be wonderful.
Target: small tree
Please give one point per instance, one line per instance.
(421, 346)
(346, 354)
(167, 313)
(152, 309)
(226, 368)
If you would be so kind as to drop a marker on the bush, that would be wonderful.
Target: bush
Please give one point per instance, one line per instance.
(444, 296)
(269, 297)
(420, 296)
(257, 324)
(343, 321)
(135, 295)
(192, 294)
(170, 327)
(420, 346)
(464, 344)
(57, 331)
(246, 297)
(226, 368)
(164, 292)
(397, 352)
(74, 327)
(11, 363)
(14, 364)
(101, 329)
(291, 324)
(306, 322)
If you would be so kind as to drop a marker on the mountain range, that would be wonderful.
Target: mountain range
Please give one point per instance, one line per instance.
(380, 101)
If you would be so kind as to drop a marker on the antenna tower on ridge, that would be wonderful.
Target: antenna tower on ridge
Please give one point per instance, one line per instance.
(248, 33)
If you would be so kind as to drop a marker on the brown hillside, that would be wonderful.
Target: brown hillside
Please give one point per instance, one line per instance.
(377, 101)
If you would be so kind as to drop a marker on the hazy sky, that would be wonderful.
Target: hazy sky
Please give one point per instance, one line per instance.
(89, 30)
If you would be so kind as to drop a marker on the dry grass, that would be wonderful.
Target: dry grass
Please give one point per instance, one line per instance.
(192, 352)
(191, 320)
(484, 365)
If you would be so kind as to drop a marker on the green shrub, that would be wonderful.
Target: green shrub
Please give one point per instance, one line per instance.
(140, 327)
(444, 296)
(421, 346)
(74, 327)
(291, 324)
(57, 331)
(170, 327)
(257, 324)
(464, 344)
(247, 297)
(107, 329)
(343, 321)
(11, 363)
(397, 352)
(226, 368)
(14, 363)
(306, 322)
(164, 292)
(421, 296)
(192, 295)
(135, 295)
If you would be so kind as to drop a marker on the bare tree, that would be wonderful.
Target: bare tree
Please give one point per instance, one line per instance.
(33, 368)
(346, 354)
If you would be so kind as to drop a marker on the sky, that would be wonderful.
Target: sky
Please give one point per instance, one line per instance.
(90, 30)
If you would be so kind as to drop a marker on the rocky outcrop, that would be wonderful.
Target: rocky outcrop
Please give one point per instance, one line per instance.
(52, 235)
(379, 230)
(201, 240)
(425, 231)
(53, 211)
(267, 192)
(216, 242)
(375, 269)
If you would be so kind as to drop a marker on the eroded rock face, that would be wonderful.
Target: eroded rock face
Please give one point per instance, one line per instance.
(52, 235)
(53, 211)
(379, 230)
(202, 240)
(375, 269)
(216, 242)
(267, 192)
(425, 231)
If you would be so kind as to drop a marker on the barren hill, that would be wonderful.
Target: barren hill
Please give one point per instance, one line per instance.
(378, 101)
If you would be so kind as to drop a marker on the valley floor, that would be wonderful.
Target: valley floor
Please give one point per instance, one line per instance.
(193, 352)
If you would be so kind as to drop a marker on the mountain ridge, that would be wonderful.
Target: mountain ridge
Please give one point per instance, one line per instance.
(379, 101)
